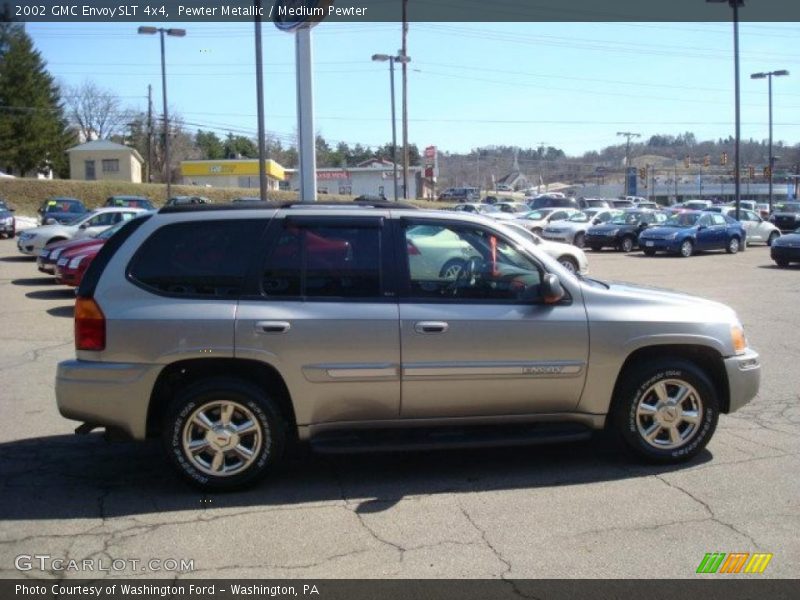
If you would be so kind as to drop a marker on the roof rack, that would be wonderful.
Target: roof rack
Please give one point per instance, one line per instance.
(276, 205)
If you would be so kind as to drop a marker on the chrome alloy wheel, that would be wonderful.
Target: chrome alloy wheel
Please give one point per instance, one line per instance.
(222, 438)
(669, 414)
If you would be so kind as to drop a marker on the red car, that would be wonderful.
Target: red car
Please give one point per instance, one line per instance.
(72, 263)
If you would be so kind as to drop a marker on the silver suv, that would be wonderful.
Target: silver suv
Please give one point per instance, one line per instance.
(231, 332)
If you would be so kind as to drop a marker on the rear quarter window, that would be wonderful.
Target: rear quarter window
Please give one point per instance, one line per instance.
(207, 259)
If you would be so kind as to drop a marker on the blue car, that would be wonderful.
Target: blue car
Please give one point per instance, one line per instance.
(687, 232)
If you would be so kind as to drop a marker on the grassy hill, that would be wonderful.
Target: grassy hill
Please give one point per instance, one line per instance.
(26, 195)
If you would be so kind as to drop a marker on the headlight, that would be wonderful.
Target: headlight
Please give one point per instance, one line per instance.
(738, 339)
(55, 253)
(26, 236)
(50, 221)
(8, 220)
(75, 262)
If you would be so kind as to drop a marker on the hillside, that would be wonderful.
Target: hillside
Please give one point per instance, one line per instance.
(26, 195)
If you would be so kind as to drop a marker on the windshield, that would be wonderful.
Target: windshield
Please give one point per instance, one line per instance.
(107, 233)
(538, 215)
(63, 206)
(791, 207)
(682, 220)
(579, 218)
(627, 219)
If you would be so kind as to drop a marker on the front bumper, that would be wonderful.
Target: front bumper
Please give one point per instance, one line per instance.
(45, 266)
(744, 378)
(27, 247)
(105, 393)
(660, 245)
(557, 237)
(787, 253)
(10, 228)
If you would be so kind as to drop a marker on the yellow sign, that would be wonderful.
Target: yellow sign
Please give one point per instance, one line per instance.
(230, 168)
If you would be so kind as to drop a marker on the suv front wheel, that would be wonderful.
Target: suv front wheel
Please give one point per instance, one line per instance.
(223, 433)
(666, 410)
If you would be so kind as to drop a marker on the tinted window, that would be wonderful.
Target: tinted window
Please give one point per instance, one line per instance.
(324, 262)
(201, 258)
(717, 219)
(455, 262)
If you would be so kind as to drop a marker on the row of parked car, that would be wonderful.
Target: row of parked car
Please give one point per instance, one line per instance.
(683, 229)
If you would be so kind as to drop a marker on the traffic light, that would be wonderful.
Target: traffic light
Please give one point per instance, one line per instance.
(723, 160)
(707, 161)
(642, 173)
(766, 172)
(751, 171)
(687, 161)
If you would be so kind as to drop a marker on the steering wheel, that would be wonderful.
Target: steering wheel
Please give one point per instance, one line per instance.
(466, 275)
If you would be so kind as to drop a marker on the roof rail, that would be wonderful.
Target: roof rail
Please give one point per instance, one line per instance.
(285, 204)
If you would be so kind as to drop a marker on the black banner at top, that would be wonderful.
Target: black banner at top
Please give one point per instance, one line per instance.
(366, 11)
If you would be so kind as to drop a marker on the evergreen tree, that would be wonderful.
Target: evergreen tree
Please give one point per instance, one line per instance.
(33, 130)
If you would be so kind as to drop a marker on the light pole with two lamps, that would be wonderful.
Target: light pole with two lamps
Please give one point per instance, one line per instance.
(392, 60)
(768, 76)
(175, 33)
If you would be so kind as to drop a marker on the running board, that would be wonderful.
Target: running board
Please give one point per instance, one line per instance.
(429, 438)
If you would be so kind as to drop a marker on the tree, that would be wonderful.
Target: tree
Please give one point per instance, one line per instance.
(97, 113)
(236, 146)
(33, 130)
(209, 144)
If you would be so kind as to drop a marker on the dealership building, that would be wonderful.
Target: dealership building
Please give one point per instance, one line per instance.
(373, 177)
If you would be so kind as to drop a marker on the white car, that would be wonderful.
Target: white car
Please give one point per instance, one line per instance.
(571, 258)
(756, 228)
(573, 230)
(32, 241)
(537, 220)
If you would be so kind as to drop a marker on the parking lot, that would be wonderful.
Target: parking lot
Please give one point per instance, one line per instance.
(576, 510)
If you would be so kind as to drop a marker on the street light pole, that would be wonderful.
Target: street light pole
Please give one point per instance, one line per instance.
(175, 33)
(262, 153)
(768, 76)
(392, 60)
(735, 4)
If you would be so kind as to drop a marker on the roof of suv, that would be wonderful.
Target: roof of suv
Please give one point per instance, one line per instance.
(284, 205)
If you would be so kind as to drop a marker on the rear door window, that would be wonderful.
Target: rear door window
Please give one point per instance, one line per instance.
(200, 258)
(324, 260)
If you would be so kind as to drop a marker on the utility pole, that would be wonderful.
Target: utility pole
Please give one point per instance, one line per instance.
(628, 135)
(148, 174)
(262, 150)
(404, 116)
(542, 167)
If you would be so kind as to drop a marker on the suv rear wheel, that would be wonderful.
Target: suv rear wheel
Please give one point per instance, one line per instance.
(666, 410)
(223, 433)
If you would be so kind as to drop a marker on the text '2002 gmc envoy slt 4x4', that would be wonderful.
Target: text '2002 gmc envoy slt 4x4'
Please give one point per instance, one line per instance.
(232, 332)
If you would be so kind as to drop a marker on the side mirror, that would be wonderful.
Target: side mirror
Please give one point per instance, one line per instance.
(700, 227)
(85, 225)
(595, 221)
(552, 291)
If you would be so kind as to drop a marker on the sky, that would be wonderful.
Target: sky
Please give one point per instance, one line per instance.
(568, 85)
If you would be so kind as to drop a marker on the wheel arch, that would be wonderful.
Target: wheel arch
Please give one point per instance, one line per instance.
(705, 357)
(185, 372)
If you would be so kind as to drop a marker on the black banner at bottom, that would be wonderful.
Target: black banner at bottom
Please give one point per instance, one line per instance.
(729, 588)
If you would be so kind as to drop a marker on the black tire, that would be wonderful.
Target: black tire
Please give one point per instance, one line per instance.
(597, 248)
(452, 264)
(267, 419)
(733, 245)
(569, 263)
(579, 240)
(687, 249)
(537, 231)
(781, 262)
(636, 388)
(649, 252)
(627, 243)
(772, 237)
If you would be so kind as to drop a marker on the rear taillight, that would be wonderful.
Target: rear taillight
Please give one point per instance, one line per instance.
(90, 325)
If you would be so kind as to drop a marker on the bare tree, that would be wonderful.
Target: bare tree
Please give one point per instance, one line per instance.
(97, 113)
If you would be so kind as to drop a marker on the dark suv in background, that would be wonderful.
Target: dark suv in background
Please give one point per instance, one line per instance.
(130, 202)
(60, 210)
(553, 202)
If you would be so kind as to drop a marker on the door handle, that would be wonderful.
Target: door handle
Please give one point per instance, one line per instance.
(273, 326)
(426, 327)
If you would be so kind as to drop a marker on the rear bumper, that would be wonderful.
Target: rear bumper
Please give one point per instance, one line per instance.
(744, 378)
(604, 241)
(102, 393)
